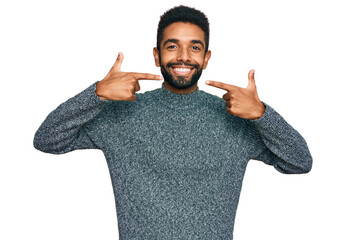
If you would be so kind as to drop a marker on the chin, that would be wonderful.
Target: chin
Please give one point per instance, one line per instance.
(181, 82)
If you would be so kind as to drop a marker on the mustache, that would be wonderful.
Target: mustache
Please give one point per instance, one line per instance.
(182, 63)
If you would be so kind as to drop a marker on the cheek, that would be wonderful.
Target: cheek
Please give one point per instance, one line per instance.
(201, 64)
(204, 63)
(166, 58)
(199, 58)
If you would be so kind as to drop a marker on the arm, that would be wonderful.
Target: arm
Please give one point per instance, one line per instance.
(64, 129)
(285, 148)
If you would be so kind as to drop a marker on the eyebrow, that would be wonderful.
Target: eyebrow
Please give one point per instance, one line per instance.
(198, 41)
(173, 40)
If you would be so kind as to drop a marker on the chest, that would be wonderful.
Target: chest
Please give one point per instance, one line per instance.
(179, 142)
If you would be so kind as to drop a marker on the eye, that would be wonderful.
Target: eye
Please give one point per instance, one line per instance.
(171, 47)
(195, 48)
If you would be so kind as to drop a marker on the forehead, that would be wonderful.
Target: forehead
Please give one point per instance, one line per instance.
(183, 32)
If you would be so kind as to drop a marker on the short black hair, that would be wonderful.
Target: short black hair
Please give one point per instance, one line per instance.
(183, 14)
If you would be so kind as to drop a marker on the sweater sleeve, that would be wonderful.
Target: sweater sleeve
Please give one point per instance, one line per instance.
(64, 128)
(285, 148)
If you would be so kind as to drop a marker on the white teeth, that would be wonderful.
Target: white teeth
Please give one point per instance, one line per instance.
(182, 69)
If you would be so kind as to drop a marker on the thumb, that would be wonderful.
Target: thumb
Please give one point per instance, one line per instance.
(117, 65)
(251, 76)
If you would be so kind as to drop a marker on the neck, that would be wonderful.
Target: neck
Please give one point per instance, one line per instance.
(170, 88)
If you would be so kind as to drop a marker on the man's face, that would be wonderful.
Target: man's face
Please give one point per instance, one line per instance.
(182, 55)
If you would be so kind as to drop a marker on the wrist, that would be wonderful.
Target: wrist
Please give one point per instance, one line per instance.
(98, 91)
(259, 112)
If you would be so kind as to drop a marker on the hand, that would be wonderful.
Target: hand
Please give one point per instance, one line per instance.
(121, 86)
(242, 102)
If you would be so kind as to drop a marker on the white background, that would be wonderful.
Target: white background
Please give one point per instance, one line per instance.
(52, 50)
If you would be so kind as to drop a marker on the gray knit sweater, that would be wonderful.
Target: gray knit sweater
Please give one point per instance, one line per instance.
(176, 161)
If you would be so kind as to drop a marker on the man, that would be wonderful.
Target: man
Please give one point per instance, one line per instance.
(176, 155)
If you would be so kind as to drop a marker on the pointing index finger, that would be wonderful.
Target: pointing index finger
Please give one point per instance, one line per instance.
(221, 85)
(147, 76)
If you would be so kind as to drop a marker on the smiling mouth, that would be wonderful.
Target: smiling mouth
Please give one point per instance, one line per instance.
(182, 70)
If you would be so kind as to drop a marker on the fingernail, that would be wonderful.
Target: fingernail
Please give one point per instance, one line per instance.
(207, 82)
(160, 77)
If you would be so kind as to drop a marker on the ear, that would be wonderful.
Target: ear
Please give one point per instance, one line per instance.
(206, 59)
(156, 56)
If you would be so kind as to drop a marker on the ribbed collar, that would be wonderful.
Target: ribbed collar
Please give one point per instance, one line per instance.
(179, 101)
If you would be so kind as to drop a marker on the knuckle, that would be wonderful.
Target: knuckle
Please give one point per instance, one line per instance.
(130, 76)
(130, 96)
(131, 83)
(231, 111)
(131, 88)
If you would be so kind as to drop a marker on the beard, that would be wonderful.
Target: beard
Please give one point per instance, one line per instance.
(181, 82)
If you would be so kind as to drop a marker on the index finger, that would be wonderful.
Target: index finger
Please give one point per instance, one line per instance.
(221, 85)
(146, 76)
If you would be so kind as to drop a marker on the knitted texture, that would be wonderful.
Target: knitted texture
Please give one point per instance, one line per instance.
(176, 161)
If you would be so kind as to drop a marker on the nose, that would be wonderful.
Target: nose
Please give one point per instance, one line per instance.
(184, 55)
